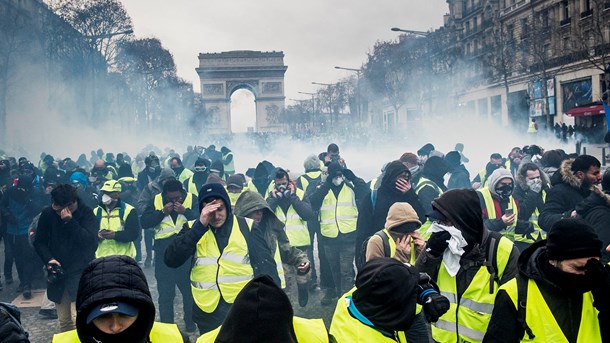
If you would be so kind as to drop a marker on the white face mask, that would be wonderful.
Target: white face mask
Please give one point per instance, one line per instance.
(338, 181)
(106, 199)
(535, 185)
(414, 169)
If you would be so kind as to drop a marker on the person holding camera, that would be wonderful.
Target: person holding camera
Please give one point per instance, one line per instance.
(66, 240)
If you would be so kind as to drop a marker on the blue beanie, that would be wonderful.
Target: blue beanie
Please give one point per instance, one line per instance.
(79, 177)
(214, 190)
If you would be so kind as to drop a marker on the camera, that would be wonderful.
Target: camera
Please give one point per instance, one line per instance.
(54, 273)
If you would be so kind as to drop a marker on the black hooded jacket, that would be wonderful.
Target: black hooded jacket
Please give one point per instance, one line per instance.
(462, 207)
(371, 218)
(595, 209)
(566, 307)
(434, 170)
(114, 278)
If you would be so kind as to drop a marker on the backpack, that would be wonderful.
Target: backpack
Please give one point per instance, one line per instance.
(361, 257)
(11, 330)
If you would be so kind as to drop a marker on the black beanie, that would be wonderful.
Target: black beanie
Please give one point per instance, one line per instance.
(572, 238)
(386, 293)
(261, 313)
(214, 190)
(453, 159)
(334, 169)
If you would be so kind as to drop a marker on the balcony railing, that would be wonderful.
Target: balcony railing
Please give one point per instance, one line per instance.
(514, 7)
(565, 21)
(586, 13)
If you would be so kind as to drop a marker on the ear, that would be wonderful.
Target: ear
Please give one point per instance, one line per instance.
(580, 174)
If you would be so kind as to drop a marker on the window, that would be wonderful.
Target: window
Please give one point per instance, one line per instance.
(565, 10)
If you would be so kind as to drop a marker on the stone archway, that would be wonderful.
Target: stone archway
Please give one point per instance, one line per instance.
(262, 73)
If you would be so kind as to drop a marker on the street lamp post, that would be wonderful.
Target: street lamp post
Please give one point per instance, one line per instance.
(330, 99)
(412, 32)
(358, 102)
(313, 107)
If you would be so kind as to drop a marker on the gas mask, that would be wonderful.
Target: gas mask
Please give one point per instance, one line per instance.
(535, 185)
(199, 169)
(282, 191)
(338, 181)
(504, 191)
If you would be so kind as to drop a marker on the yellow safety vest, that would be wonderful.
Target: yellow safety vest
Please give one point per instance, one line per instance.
(531, 128)
(392, 244)
(306, 330)
(112, 221)
(467, 320)
(338, 215)
(542, 322)
(160, 333)
(229, 168)
(168, 227)
(424, 182)
(373, 183)
(344, 328)
(296, 228)
(483, 178)
(509, 231)
(191, 186)
(539, 234)
(185, 175)
(307, 177)
(234, 196)
(214, 275)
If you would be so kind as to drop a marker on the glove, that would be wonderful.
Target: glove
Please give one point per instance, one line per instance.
(437, 243)
(433, 304)
(600, 277)
(524, 229)
(348, 174)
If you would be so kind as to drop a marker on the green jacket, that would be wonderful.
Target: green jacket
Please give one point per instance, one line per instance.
(274, 229)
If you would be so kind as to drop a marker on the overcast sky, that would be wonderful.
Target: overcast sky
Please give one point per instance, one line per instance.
(314, 35)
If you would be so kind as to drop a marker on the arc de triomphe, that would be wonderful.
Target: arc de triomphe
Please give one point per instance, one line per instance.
(262, 73)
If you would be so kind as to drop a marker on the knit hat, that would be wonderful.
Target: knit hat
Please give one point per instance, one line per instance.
(166, 173)
(400, 213)
(311, 163)
(496, 176)
(78, 177)
(572, 238)
(409, 157)
(217, 167)
(386, 293)
(213, 190)
(261, 312)
(334, 169)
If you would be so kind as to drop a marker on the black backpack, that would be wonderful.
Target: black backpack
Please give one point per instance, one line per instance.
(11, 330)
(361, 258)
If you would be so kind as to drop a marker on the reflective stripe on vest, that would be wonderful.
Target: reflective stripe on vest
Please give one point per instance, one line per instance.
(423, 182)
(296, 228)
(345, 328)
(167, 227)
(214, 275)
(191, 186)
(542, 322)
(306, 330)
(468, 319)
(338, 215)
(279, 266)
(509, 231)
(160, 333)
(111, 221)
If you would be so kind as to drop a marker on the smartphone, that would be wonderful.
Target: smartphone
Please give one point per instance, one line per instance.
(508, 211)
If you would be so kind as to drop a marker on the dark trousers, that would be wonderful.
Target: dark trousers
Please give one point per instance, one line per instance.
(340, 257)
(209, 321)
(167, 280)
(26, 260)
(148, 244)
(326, 277)
(8, 258)
(418, 332)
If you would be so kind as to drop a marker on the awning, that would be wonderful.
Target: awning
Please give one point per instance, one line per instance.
(591, 109)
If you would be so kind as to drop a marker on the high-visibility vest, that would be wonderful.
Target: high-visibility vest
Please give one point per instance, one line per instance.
(191, 186)
(338, 214)
(542, 322)
(306, 330)
(531, 128)
(308, 177)
(168, 227)
(424, 182)
(373, 183)
(234, 196)
(185, 175)
(467, 320)
(296, 228)
(539, 234)
(215, 275)
(229, 168)
(483, 178)
(160, 333)
(345, 328)
(509, 231)
(392, 245)
(114, 221)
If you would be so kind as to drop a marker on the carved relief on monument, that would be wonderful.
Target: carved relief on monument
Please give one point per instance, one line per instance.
(272, 88)
(273, 114)
(213, 115)
(213, 89)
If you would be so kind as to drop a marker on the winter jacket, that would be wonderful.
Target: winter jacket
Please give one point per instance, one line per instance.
(372, 217)
(271, 228)
(595, 209)
(566, 307)
(71, 243)
(19, 208)
(566, 193)
(460, 178)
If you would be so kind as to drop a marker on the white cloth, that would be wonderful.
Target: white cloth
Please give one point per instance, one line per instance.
(455, 249)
